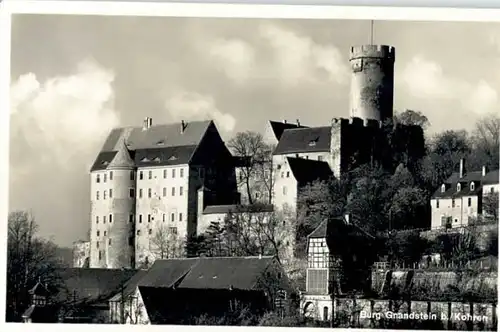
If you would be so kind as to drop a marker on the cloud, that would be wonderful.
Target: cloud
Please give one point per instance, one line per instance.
(57, 125)
(293, 59)
(184, 105)
(425, 79)
(300, 59)
(236, 58)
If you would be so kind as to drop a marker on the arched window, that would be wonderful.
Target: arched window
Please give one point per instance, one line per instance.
(325, 313)
(443, 188)
(472, 186)
(459, 187)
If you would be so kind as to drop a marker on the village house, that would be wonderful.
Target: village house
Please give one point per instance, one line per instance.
(461, 199)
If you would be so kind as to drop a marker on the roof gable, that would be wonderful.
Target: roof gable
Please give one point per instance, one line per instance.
(279, 127)
(302, 140)
(308, 170)
(476, 177)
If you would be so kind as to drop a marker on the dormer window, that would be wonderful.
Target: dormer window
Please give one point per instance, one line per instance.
(160, 142)
(472, 186)
(443, 188)
(459, 187)
(312, 143)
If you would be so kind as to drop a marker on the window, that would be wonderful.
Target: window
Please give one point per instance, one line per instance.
(173, 173)
(181, 191)
(104, 194)
(98, 178)
(150, 175)
(181, 173)
(110, 193)
(104, 177)
(282, 174)
(469, 201)
(173, 230)
(140, 219)
(172, 217)
(472, 186)
(131, 193)
(164, 192)
(164, 217)
(138, 232)
(110, 218)
(284, 190)
(97, 195)
(100, 255)
(104, 220)
(492, 190)
(111, 176)
(96, 219)
(164, 173)
(132, 175)
(288, 174)
(97, 244)
(278, 167)
(150, 231)
(149, 192)
(437, 203)
(452, 202)
(141, 175)
(325, 313)
(149, 218)
(443, 188)
(173, 191)
(140, 193)
(459, 187)
(105, 233)
(98, 233)
(320, 158)
(130, 218)
(180, 216)
(109, 241)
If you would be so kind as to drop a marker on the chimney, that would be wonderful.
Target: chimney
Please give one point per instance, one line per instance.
(145, 123)
(150, 122)
(484, 170)
(284, 121)
(298, 122)
(462, 168)
(183, 126)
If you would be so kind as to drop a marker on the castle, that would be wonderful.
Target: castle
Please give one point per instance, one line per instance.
(170, 179)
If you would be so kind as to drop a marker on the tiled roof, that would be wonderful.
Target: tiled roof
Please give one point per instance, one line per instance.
(207, 272)
(220, 209)
(279, 127)
(320, 231)
(91, 285)
(165, 135)
(308, 170)
(122, 158)
(327, 226)
(302, 140)
(476, 177)
(130, 286)
(157, 146)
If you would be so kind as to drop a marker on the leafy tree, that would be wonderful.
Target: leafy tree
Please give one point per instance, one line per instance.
(490, 207)
(412, 118)
(485, 142)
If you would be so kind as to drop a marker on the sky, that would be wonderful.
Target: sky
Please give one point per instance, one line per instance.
(74, 78)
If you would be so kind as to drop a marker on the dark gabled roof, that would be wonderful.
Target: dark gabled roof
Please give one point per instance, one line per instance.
(167, 272)
(131, 285)
(302, 140)
(320, 231)
(225, 209)
(279, 127)
(476, 177)
(309, 170)
(165, 135)
(91, 285)
(207, 272)
(159, 145)
(122, 158)
(177, 155)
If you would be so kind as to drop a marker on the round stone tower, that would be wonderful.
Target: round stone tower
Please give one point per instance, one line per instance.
(372, 85)
(119, 244)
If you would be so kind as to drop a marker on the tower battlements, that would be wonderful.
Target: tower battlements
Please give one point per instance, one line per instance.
(373, 51)
(357, 122)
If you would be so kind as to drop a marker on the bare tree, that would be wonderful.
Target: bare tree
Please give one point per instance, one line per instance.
(165, 243)
(29, 259)
(486, 142)
(255, 172)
